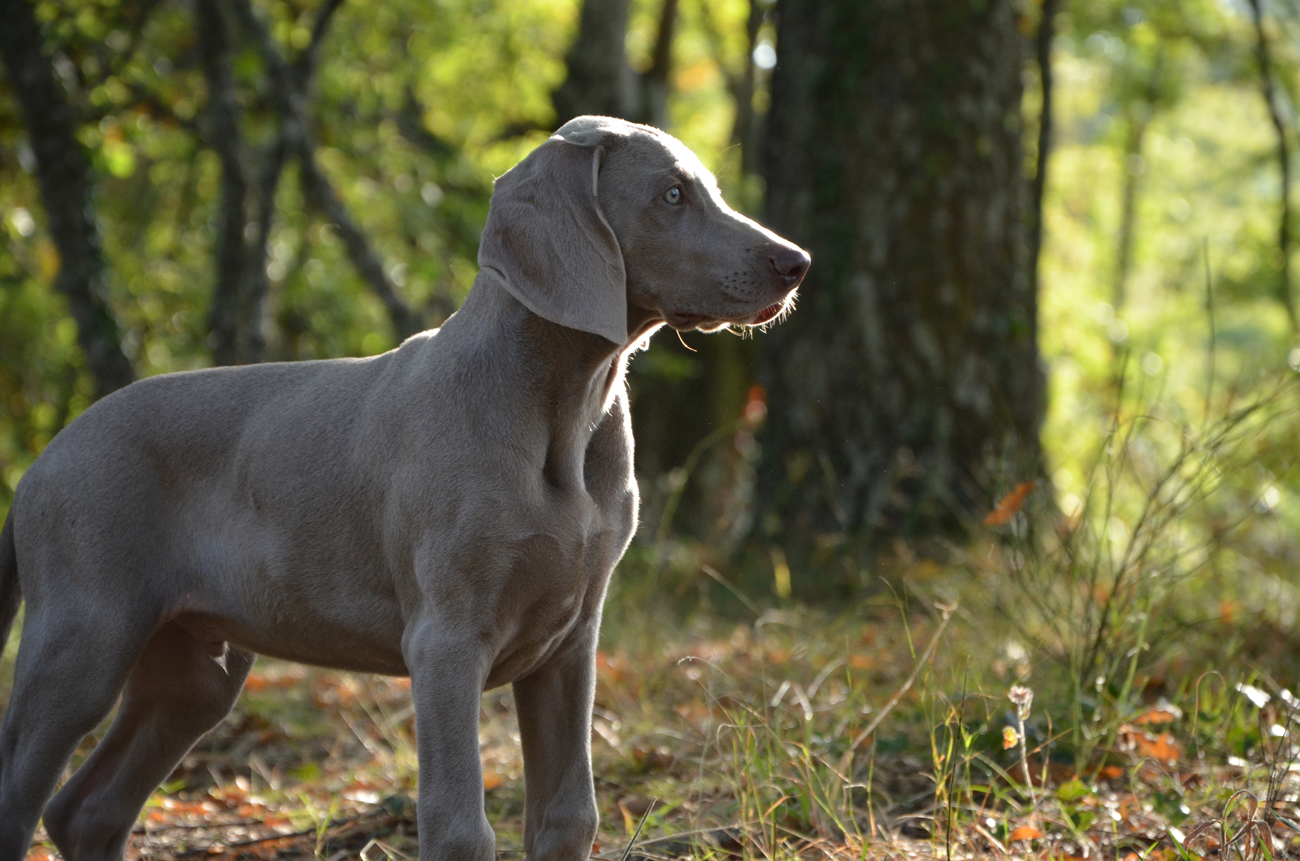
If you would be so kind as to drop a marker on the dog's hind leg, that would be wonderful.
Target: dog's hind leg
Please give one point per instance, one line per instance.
(10, 593)
(175, 694)
(71, 667)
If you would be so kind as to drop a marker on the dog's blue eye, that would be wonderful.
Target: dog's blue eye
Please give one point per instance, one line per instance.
(673, 195)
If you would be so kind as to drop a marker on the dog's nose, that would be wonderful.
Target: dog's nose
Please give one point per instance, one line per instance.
(790, 264)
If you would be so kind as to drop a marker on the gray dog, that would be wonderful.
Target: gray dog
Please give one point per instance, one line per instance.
(450, 510)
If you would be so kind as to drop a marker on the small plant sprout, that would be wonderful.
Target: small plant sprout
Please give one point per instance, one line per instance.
(1022, 698)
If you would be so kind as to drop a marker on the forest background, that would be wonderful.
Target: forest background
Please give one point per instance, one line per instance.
(1033, 422)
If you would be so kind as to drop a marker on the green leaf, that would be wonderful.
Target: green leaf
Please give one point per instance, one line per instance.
(1073, 790)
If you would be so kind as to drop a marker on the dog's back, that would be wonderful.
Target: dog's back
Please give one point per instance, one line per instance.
(213, 492)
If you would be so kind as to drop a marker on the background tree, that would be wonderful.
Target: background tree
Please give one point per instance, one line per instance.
(1144, 81)
(600, 79)
(251, 175)
(1044, 36)
(66, 190)
(370, 133)
(1273, 99)
(909, 379)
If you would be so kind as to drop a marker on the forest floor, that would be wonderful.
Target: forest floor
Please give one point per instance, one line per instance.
(794, 734)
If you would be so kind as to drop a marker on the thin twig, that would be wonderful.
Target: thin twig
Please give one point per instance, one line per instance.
(730, 587)
(907, 685)
(1209, 313)
(637, 832)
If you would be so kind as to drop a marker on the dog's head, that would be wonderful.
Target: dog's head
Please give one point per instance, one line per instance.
(608, 215)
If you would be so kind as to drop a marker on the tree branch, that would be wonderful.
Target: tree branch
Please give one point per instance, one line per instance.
(1283, 159)
(410, 122)
(305, 64)
(293, 84)
(264, 42)
(111, 66)
(321, 195)
(746, 130)
(63, 172)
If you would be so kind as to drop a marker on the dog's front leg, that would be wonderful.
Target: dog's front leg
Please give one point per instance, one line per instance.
(554, 706)
(447, 675)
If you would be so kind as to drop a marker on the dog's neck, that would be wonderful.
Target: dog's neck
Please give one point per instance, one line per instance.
(563, 379)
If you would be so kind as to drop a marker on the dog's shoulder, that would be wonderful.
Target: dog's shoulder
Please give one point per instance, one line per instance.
(608, 468)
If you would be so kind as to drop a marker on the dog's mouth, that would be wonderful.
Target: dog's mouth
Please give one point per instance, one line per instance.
(771, 312)
(775, 311)
(683, 322)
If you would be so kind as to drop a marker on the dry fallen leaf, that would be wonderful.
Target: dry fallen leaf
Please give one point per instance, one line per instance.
(1162, 713)
(1024, 832)
(633, 808)
(257, 682)
(1163, 747)
(1008, 505)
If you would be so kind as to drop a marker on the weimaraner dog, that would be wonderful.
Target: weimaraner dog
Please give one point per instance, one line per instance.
(450, 510)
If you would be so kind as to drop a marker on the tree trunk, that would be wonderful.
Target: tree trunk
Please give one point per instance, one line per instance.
(655, 82)
(600, 81)
(63, 170)
(1043, 56)
(1138, 112)
(907, 386)
(240, 291)
(748, 128)
(1131, 170)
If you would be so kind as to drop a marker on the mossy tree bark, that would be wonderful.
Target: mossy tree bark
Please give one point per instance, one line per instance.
(906, 389)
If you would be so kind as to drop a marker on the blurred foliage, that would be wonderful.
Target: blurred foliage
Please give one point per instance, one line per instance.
(1204, 257)
(417, 106)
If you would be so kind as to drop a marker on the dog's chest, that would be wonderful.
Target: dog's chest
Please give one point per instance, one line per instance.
(558, 573)
(554, 587)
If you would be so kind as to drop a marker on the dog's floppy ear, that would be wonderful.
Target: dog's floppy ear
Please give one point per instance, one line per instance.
(549, 243)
